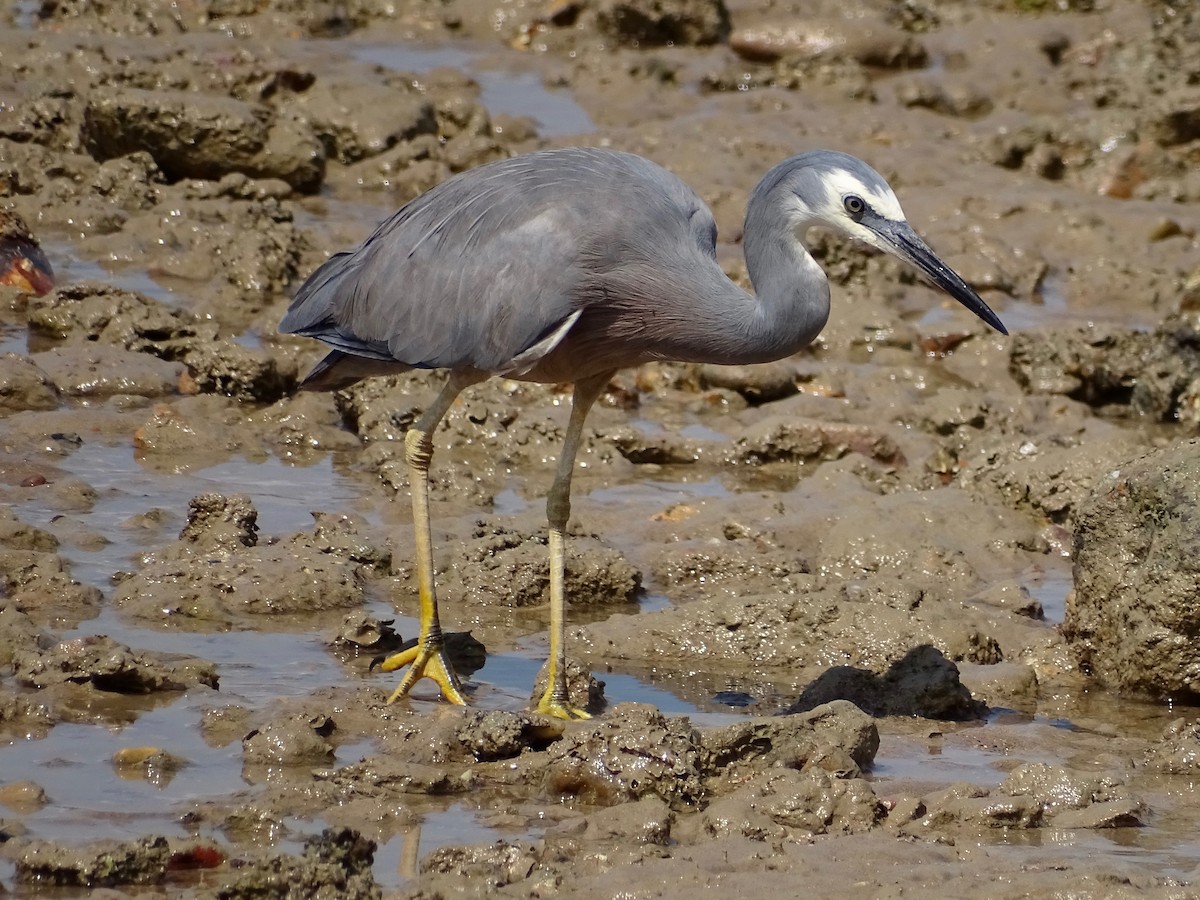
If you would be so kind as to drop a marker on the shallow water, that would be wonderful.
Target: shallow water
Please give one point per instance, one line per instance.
(504, 90)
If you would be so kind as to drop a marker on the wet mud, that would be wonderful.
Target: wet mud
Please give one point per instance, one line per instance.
(911, 611)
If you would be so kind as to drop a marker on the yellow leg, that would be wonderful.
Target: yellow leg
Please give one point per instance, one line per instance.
(555, 701)
(428, 658)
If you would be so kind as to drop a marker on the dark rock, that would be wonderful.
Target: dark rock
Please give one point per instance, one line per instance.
(922, 683)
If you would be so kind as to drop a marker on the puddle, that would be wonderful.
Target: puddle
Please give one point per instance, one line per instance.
(284, 494)
(90, 799)
(396, 860)
(502, 91)
(14, 340)
(942, 761)
(1050, 589)
(651, 492)
(69, 269)
(25, 16)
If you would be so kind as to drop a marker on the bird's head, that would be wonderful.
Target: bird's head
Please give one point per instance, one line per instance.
(843, 193)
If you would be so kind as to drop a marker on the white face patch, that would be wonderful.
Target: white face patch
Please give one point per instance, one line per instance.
(880, 198)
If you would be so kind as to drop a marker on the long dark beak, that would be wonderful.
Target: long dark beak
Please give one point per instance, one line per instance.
(907, 244)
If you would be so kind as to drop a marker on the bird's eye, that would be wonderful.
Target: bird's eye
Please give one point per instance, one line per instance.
(854, 204)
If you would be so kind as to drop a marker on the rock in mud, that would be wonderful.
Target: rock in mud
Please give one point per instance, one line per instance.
(1074, 800)
(100, 661)
(1177, 751)
(18, 633)
(756, 384)
(195, 135)
(98, 312)
(388, 779)
(344, 115)
(219, 522)
(733, 568)
(152, 764)
(19, 535)
(24, 385)
(1034, 795)
(97, 371)
(666, 449)
(835, 734)
(217, 573)
(241, 373)
(1135, 610)
(870, 42)
(293, 740)
(779, 439)
(1116, 371)
(870, 622)
(499, 734)
(22, 712)
(645, 821)
(101, 865)
(335, 864)
(658, 22)
(23, 796)
(495, 865)
(785, 803)
(635, 751)
(34, 581)
(38, 584)
(1054, 474)
(921, 683)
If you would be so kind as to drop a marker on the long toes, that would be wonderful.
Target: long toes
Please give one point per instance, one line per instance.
(561, 710)
(424, 663)
(398, 660)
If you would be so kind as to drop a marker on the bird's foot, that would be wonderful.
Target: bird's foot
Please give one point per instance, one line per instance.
(425, 661)
(552, 704)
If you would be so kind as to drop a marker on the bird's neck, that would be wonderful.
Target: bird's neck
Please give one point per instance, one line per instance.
(791, 291)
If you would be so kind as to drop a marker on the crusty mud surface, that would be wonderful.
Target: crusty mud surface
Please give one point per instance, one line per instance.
(910, 613)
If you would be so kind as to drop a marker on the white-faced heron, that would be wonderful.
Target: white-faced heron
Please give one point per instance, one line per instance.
(565, 266)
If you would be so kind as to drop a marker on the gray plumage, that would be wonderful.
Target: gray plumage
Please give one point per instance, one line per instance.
(486, 270)
(566, 265)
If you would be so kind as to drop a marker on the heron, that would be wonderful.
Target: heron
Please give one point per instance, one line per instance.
(567, 265)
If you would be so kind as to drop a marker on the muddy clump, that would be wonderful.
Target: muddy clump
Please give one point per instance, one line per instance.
(109, 666)
(1120, 373)
(107, 865)
(217, 572)
(501, 566)
(191, 135)
(1133, 612)
(637, 752)
(335, 863)
(35, 581)
(1034, 795)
